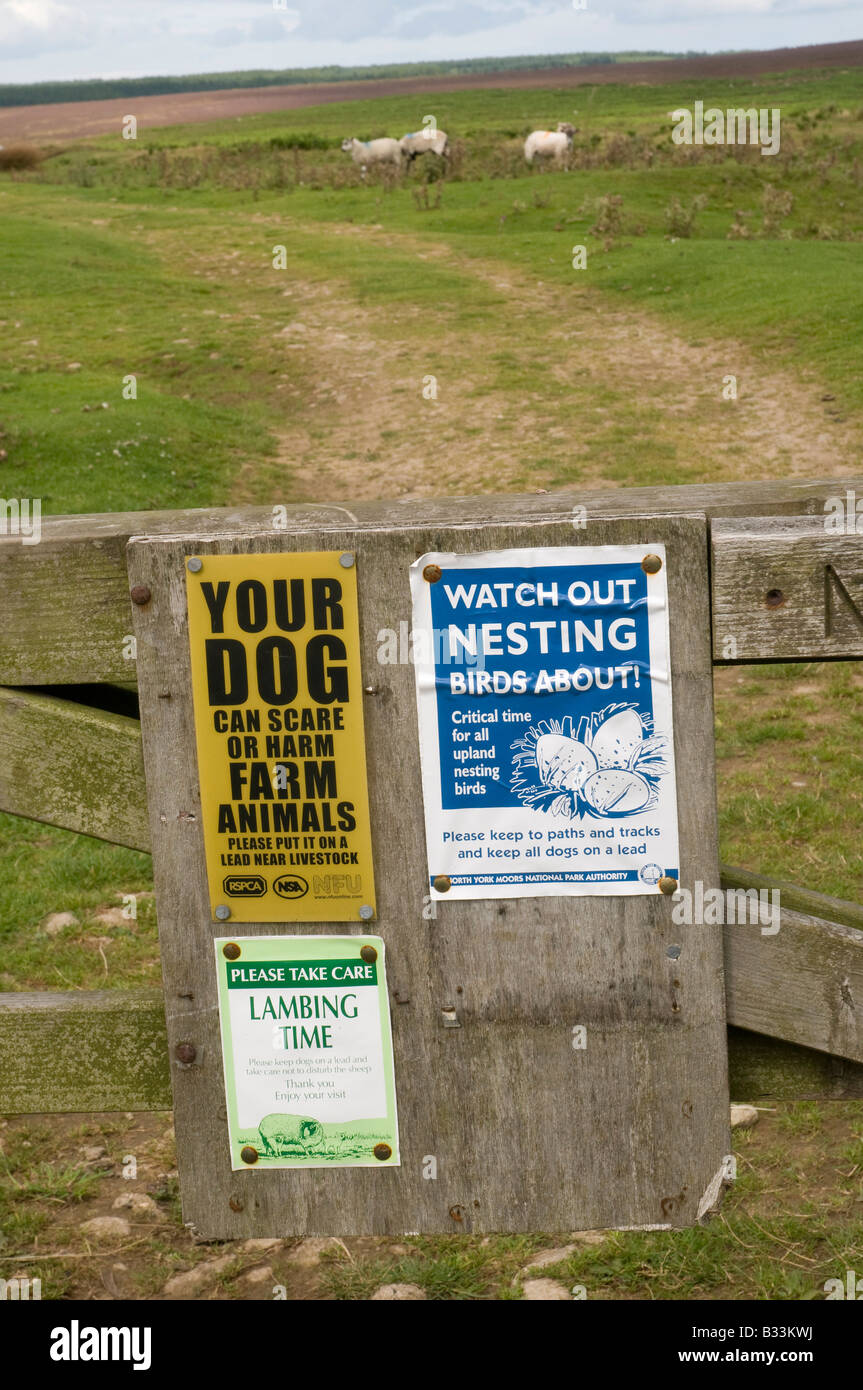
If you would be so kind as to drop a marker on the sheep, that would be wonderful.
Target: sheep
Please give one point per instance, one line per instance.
(550, 144)
(425, 142)
(368, 153)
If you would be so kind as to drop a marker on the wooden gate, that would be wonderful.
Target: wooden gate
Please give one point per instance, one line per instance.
(527, 1133)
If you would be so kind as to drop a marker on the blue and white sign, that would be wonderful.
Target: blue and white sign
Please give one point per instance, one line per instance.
(544, 696)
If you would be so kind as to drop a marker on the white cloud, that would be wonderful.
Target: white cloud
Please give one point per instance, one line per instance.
(36, 26)
(44, 39)
(411, 19)
(682, 11)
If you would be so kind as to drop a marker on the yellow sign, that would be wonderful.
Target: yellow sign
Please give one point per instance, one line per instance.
(279, 726)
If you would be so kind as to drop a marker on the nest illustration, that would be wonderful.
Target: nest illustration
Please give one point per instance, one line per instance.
(609, 766)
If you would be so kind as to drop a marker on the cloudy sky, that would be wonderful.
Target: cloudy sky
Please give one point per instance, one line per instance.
(43, 39)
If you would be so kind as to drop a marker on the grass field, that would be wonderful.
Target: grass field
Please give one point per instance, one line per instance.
(791, 1221)
(282, 320)
(155, 258)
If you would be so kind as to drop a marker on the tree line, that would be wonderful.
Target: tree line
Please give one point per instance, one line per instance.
(103, 89)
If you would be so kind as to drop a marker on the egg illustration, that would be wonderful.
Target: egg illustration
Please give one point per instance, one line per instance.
(564, 763)
(617, 738)
(616, 791)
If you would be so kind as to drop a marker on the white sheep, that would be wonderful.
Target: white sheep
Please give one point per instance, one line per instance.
(368, 153)
(553, 145)
(425, 142)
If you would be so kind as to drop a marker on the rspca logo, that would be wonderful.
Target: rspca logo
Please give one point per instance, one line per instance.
(291, 886)
(245, 886)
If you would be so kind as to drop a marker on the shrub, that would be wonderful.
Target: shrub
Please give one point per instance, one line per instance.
(20, 157)
(777, 203)
(609, 216)
(302, 140)
(679, 220)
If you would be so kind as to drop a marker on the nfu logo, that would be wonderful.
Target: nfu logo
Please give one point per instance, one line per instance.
(21, 1289)
(291, 886)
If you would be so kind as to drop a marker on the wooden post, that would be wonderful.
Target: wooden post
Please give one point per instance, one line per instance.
(526, 1132)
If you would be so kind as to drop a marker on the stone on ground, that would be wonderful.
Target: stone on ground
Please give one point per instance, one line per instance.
(743, 1116)
(392, 1293)
(261, 1243)
(544, 1290)
(308, 1252)
(138, 1203)
(57, 921)
(550, 1257)
(589, 1237)
(192, 1281)
(111, 917)
(106, 1227)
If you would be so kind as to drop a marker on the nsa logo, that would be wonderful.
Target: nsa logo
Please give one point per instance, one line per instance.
(291, 886)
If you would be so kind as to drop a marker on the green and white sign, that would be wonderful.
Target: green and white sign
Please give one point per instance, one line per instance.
(308, 1054)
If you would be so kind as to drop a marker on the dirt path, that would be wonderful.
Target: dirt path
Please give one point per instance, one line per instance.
(578, 390)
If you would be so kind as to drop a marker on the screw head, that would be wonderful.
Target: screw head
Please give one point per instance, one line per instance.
(222, 913)
(432, 573)
(236, 1203)
(185, 1052)
(442, 883)
(382, 1152)
(249, 1154)
(140, 594)
(667, 885)
(194, 564)
(651, 564)
(347, 560)
(231, 950)
(367, 912)
(369, 954)
(774, 598)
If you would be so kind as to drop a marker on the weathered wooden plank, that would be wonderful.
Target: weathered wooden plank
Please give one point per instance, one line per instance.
(61, 1053)
(803, 985)
(786, 589)
(82, 769)
(765, 1069)
(528, 1133)
(72, 766)
(66, 601)
(67, 611)
(795, 898)
(102, 1050)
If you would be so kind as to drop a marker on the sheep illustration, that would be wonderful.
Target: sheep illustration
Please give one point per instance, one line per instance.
(289, 1136)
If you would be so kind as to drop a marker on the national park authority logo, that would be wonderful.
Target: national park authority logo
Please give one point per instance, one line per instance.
(291, 886)
(650, 873)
